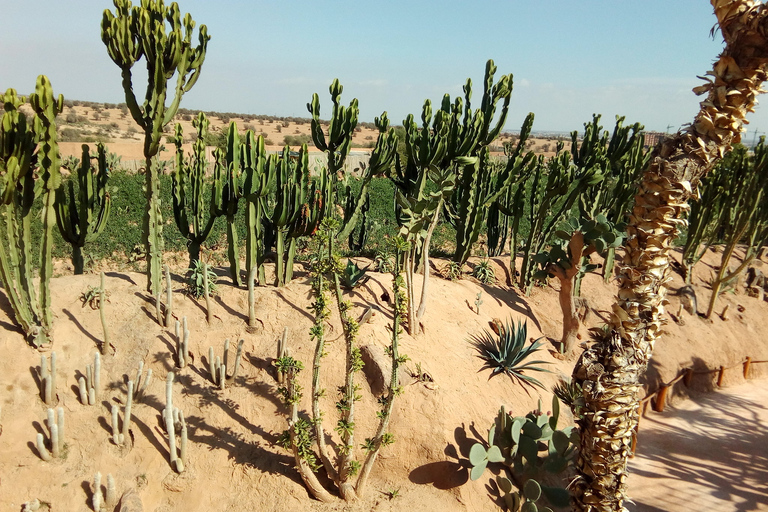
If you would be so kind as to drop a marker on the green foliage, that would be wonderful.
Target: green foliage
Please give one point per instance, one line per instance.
(506, 353)
(484, 272)
(452, 271)
(529, 446)
(195, 286)
(569, 392)
(353, 275)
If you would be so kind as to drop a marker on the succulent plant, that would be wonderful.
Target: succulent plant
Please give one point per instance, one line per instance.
(484, 272)
(160, 35)
(196, 280)
(506, 353)
(353, 275)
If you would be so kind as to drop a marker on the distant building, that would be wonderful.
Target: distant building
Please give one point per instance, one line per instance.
(653, 138)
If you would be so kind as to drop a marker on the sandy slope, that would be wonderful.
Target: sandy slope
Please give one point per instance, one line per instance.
(233, 462)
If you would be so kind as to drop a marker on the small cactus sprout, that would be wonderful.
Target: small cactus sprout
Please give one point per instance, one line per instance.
(102, 299)
(252, 300)
(168, 296)
(48, 379)
(182, 342)
(478, 302)
(89, 385)
(55, 423)
(98, 497)
(217, 368)
(142, 382)
(238, 355)
(41, 449)
(116, 435)
(173, 418)
(111, 501)
(127, 416)
(282, 352)
(207, 294)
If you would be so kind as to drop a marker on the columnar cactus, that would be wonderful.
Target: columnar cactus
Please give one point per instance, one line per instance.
(258, 182)
(89, 386)
(48, 380)
(174, 421)
(158, 34)
(25, 176)
(227, 193)
(218, 367)
(105, 345)
(56, 432)
(182, 343)
(82, 218)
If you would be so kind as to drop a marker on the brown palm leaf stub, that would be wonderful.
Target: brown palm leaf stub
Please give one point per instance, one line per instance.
(610, 371)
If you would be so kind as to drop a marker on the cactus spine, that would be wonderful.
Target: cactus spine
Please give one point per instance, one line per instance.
(27, 176)
(158, 34)
(82, 218)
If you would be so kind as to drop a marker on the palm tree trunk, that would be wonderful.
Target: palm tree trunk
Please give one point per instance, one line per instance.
(610, 370)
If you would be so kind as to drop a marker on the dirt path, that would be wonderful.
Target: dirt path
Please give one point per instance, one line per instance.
(708, 453)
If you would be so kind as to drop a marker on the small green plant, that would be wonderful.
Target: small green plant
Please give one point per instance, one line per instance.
(383, 262)
(507, 352)
(195, 282)
(529, 446)
(392, 493)
(353, 275)
(478, 302)
(569, 392)
(484, 272)
(452, 271)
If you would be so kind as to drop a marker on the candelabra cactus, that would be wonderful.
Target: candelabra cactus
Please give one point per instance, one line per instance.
(258, 182)
(159, 35)
(189, 187)
(81, 218)
(569, 258)
(227, 193)
(30, 167)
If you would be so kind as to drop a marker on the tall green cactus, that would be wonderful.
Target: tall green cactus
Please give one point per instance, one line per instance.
(227, 194)
(336, 147)
(158, 34)
(259, 174)
(29, 169)
(291, 188)
(82, 218)
(189, 185)
(745, 215)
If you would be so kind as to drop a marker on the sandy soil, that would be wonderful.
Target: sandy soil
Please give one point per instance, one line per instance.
(233, 461)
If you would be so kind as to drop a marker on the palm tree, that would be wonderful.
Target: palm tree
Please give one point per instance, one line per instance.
(609, 372)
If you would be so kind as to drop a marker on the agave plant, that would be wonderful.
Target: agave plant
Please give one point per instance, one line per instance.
(484, 272)
(569, 392)
(507, 352)
(353, 275)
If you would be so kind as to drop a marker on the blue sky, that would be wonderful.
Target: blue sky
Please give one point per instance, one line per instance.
(569, 59)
